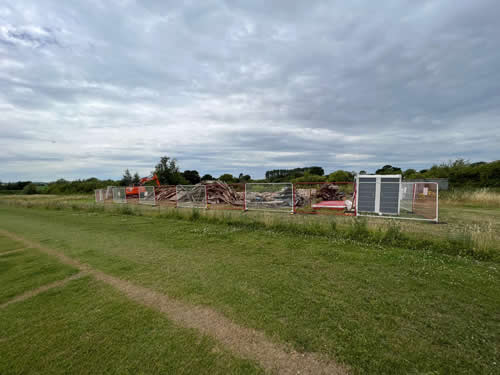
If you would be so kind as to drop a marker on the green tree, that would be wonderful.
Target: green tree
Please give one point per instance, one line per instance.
(389, 169)
(136, 180)
(340, 176)
(168, 172)
(207, 177)
(308, 177)
(410, 173)
(490, 174)
(193, 177)
(30, 189)
(244, 177)
(283, 175)
(318, 171)
(126, 179)
(227, 178)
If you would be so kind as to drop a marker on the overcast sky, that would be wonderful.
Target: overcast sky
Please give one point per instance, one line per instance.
(89, 88)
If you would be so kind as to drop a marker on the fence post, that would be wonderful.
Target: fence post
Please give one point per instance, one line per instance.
(437, 202)
(245, 198)
(206, 197)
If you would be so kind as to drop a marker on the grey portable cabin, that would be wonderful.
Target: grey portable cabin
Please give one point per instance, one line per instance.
(379, 194)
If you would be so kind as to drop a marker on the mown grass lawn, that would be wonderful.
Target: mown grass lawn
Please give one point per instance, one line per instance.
(6, 244)
(86, 327)
(380, 310)
(27, 270)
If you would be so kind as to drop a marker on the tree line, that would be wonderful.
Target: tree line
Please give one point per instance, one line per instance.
(460, 173)
(169, 173)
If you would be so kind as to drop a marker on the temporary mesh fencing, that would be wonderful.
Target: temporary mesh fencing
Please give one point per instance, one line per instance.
(388, 196)
(147, 195)
(419, 200)
(100, 195)
(381, 196)
(119, 195)
(191, 196)
(109, 193)
(323, 197)
(269, 197)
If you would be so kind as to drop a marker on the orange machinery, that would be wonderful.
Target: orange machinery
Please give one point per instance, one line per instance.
(133, 191)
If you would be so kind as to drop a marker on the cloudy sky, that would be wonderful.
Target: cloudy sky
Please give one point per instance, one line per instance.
(89, 88)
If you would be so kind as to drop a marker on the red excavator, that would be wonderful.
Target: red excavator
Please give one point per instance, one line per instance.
(133, 191)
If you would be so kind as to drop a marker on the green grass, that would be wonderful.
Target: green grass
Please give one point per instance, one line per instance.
(26, 270)
(88, 328)
(470, 231)
(479, 197)
(6, 244)
(379, 309)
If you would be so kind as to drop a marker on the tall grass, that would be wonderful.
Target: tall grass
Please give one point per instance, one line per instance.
(478, 241)
(485, 197)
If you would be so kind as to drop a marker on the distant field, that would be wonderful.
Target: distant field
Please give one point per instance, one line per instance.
(374, 309)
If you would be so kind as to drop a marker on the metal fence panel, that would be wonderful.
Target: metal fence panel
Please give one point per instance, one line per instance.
(191, 196)
(119, 195)
(147, 195)
(269, 197)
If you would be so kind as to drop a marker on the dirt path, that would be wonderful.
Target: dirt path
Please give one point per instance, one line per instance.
(41, 289)
(242, 341)
(12, 251)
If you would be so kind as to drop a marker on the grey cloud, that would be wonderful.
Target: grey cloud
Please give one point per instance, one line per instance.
(237, 86)
(27, 36)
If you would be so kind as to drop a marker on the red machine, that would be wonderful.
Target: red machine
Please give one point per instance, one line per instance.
(133, 191)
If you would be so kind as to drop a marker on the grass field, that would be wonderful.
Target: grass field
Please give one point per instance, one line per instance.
(374, 308)
(28, 269)
(88, 328)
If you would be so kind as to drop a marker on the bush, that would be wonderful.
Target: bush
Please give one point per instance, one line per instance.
(340, 176)
(126, 210)
(393, 236)
(463, 174)
(195, 215)
(308, 177)
(359, 230)
(30, 189)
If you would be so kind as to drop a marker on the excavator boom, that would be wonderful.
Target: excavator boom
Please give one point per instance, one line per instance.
(133, 191)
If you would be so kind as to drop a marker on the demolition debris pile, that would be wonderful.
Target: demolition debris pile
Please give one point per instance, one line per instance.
(330, 192)
(261, 196)
(218, 192)
(165, 193)
(327, 192)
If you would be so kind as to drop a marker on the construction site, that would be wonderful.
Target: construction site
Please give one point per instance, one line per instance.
(368, 195)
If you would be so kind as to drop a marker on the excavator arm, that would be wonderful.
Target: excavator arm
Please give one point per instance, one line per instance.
(133, 191)
(154, 178)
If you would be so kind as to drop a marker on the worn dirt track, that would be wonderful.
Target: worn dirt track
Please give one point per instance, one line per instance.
(12, 251)
(42, 289)
(244, 342)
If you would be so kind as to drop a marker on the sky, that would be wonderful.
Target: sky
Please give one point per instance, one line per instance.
(89, 88)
